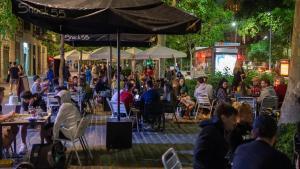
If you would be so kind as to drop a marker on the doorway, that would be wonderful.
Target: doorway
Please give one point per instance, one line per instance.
(26, 58)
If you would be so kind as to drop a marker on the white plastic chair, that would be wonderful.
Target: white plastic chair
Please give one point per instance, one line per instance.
(78, 136)
(203, 102)
(114, 109)
(51, 101)
(170, 160)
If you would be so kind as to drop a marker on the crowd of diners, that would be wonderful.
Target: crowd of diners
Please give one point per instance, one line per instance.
(221, 135)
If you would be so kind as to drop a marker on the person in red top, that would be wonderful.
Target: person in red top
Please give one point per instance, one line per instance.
(126, 96)
(255, 88)
(280, 89)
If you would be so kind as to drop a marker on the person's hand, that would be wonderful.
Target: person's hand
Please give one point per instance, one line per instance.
(11, 114)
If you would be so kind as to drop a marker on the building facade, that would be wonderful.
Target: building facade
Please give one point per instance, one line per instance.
(26, 49)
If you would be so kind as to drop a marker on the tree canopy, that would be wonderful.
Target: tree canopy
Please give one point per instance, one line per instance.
(8, 21)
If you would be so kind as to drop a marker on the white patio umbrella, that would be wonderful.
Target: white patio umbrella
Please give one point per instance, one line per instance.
(160, 52)
(75, 55)
(105, 53)
(133, 51)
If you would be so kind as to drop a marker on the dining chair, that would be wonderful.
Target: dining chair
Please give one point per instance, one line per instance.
(170, 160)
(203, 102)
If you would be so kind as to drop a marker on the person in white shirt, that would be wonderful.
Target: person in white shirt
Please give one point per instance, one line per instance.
(203, 89)
(68, 116)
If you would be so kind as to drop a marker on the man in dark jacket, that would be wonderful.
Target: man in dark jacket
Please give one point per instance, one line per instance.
(211, 146)
(260, 154)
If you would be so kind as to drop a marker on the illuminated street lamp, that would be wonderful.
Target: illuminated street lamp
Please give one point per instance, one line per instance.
(234, 24)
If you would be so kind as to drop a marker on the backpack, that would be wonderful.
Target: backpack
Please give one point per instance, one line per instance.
(48, 156)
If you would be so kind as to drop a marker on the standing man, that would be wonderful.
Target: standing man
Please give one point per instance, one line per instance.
(50, 77)
(211, 146)
(260, 153)
(14, 76)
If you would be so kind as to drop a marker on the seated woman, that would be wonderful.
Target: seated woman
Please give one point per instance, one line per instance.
(255, 88)
(280, 89)
(222, 94)
(242, 132)
(241, 90)
(187, 104)
(73, 84)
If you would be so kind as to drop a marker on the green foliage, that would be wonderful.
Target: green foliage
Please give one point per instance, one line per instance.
(126, 72)
(248, 27)
(8, 22)
(191, 85)
(259, 51)
(269, 76)
(214, 19)
(215, 78)
(285, 139)
(250, 75)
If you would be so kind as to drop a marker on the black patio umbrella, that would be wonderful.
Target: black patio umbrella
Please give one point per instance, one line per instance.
(106, 17)
(96, 40)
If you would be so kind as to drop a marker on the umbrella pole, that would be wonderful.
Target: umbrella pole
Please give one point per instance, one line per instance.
(79, 64)
(62, 60)
(118, 72)
(110, 63)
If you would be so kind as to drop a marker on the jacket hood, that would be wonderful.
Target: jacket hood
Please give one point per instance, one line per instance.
(65, 96)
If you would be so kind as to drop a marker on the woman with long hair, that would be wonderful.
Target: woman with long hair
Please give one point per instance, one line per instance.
(238, 74)
(222, 94)
(21, 70)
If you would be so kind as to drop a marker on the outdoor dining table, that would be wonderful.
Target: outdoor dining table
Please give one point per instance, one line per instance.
(22, 119)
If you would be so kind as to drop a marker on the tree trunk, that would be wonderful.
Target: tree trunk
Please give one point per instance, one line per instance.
(291, 106)
(62, 61)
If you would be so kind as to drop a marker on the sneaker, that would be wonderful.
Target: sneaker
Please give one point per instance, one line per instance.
(23, 150)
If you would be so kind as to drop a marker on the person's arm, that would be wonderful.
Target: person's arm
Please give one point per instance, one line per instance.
(6, 116)
(203, 150)
(196, 93)
(59, 120)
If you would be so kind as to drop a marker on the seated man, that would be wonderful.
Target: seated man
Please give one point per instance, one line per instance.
(67, 117)
(150, 102)
(260, 153)
(8, 133)
(267, 90)
(211, 145)
(126, 96)
(36, 86)
(34, 100)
